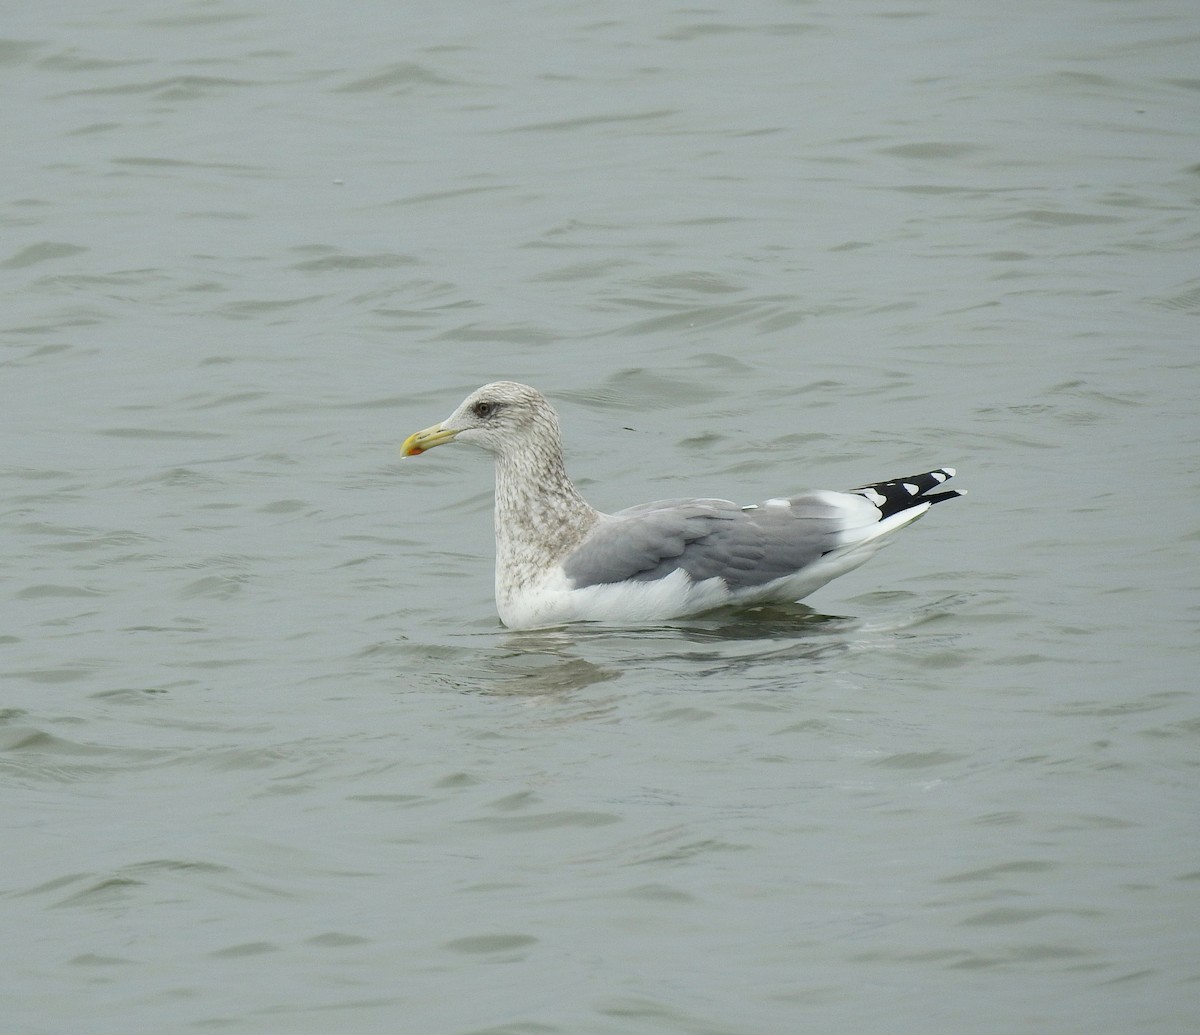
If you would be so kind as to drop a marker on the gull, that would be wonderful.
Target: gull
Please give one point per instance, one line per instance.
(559, 560)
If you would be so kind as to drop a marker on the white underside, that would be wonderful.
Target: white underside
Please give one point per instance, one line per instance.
(552, 601)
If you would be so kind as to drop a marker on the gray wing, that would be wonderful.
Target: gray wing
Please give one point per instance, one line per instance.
(715, 538)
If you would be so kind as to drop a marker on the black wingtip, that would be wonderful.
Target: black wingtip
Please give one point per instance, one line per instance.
(898, 494)
(941, 497)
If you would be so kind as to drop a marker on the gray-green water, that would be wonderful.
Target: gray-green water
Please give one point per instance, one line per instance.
(269, 762)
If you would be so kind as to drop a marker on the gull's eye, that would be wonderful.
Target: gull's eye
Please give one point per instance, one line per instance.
(483, 409)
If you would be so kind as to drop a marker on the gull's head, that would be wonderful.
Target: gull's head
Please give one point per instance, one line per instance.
(499, 417)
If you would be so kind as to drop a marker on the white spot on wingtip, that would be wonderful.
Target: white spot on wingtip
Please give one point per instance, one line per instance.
(911, 489)
(950, 472)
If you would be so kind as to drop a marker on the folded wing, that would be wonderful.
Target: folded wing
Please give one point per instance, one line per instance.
(746, 546)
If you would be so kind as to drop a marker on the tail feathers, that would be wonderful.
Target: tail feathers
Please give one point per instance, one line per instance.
(900, 494)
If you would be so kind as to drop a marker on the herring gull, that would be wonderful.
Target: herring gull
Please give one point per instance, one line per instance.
(560, 560)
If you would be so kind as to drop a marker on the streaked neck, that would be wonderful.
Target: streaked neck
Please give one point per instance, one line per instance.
(540, 515)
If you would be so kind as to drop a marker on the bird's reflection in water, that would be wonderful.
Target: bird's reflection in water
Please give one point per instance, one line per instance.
(767, 622)
(544, 670)
(568, 659)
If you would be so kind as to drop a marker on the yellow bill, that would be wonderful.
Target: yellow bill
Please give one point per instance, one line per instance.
(416, 444)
